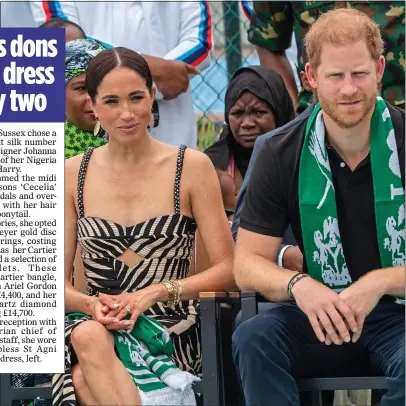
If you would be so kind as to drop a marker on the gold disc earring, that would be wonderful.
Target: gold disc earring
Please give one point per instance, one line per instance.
(152, 120)
(96, 128)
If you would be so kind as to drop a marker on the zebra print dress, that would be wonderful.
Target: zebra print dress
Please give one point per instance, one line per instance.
(165, 245)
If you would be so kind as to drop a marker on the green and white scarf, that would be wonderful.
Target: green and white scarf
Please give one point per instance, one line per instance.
(317, 203)
(145, 354)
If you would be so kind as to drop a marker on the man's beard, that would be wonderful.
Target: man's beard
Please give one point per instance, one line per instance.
(351, 117)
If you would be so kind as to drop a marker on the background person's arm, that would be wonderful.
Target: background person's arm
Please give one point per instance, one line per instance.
(193, 51)
(271, 30)
(279, 62)
(170, 76)
(195, 35)
(43, 11)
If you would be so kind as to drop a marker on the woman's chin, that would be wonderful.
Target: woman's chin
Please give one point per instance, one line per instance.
(127, 136)
(248, 144)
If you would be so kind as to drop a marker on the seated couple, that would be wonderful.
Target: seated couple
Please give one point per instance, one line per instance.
(137, 254)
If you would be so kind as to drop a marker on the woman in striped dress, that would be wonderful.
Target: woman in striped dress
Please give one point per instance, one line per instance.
(134, 205)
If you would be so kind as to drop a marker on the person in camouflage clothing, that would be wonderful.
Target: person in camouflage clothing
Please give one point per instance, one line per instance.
(273, 22)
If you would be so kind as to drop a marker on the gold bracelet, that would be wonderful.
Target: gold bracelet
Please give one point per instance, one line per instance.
(178, 291)
(171, 292)
(174, 291)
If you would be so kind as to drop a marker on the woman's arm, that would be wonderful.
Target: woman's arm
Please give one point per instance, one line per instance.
(74, 300)
(203, 197)
(200, 179)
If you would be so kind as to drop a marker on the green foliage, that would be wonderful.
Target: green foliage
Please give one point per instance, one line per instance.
(208, 132)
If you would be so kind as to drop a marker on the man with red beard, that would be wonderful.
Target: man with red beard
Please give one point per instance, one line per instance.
(338, 178)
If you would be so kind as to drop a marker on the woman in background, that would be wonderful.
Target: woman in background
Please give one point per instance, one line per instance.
(256, 102)
(81, 129)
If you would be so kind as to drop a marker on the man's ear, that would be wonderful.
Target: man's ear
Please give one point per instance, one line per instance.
(380, 68)
(305, 82)
(311, 75)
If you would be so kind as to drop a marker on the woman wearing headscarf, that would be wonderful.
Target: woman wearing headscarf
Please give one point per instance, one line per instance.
(81, 127)
(256, 102)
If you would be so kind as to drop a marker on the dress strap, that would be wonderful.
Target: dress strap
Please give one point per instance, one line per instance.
(81, 179)
(179, 165)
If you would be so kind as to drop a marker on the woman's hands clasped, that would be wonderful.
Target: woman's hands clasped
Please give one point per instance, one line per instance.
(112, 309)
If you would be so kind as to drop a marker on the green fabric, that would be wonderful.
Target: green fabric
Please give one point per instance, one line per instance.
(144, 352)
(317, 203)
(77, 141)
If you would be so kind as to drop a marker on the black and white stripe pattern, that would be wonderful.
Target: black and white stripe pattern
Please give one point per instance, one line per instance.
(165, 244)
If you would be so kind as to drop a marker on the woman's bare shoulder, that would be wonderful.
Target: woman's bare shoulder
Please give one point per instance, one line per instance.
(197, 161)
(198, 171)
(72, 166)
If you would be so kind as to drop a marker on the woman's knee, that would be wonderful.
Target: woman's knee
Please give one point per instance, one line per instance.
(78, 379)
(91, 336)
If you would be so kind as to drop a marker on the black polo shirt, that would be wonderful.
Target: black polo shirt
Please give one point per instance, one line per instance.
(272, 201)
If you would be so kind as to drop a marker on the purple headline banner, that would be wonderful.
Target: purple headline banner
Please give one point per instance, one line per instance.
(32, 75)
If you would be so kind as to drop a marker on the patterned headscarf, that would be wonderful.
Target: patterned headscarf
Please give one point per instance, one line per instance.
(79, 52)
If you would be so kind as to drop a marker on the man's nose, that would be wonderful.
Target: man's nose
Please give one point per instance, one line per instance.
(348, 88)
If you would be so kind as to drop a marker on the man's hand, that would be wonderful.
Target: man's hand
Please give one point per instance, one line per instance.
(361, 297)
(325, 310)
(293, 259)
(171, 77)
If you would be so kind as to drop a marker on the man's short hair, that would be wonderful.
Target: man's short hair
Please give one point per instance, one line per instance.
(61, 23)
(342, 26)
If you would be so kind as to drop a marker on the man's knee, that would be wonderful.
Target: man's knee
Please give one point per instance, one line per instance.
(397, 368)
(256, 334)
(396, 382)
(262, 307)
(243, 334)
